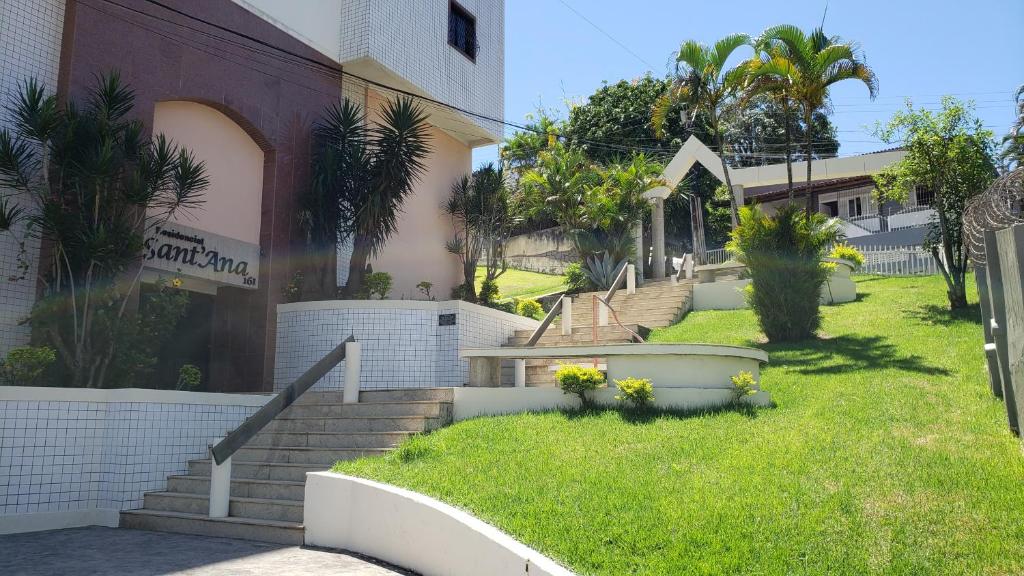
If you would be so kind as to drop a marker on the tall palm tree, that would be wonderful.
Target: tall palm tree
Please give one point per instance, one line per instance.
(707, 89)
(779, 88)
(362, 174)
(810, 64)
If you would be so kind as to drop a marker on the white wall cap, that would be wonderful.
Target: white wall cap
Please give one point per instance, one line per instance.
(50, 394)
(608, 350)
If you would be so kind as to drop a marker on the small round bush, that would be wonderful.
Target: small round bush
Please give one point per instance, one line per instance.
(847, 252)
(743, 384)
(24, 366)
(488, 292)
(578, 380)
(637, 391)
(529, 308)
(189, 377)
(576, 280)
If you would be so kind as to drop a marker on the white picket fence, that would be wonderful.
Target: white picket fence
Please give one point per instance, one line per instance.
(883, 260)
(897, 260)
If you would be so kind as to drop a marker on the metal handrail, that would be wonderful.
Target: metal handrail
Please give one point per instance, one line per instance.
(253, 424)
(619, 278)
(636, 336)
(555, 309)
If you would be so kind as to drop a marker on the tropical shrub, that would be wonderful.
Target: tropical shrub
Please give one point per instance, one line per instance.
(848, 253)
(783, 256)
(602, 270)
(378, 284)
(573, 379)
(529, 308)
(189, 377)
(637, 391)
(25, 366)
(425, 287)
(488, 292)
(743, 385)
(92, 185)
(576, 279)
(482, 220)
(292, 291)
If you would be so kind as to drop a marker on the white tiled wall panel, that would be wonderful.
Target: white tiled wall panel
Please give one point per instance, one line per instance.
(410, 38)
(30, 37)
(402, 346)
(60, 456)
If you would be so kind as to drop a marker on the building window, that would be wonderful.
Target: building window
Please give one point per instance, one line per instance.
(462, 30)
(924, 196)
(854, 207)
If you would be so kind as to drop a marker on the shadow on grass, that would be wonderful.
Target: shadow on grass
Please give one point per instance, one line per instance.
(649, 414)
(943, 316)
(845, 353)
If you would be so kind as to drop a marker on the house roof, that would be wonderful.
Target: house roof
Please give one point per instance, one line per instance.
(779, 191)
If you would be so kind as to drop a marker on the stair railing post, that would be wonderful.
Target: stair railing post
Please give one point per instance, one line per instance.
(520, 372)
(602, 312)
(353, 359)
(630, 279)
(566, 316)
(220, 488)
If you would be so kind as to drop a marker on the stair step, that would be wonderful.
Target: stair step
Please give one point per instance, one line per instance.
(256, 508)
(354, 424)
(274, 471)
(241, 487)
(298, 455)
(394, 395)
(290, 533)
(332, 410)
(345, 440)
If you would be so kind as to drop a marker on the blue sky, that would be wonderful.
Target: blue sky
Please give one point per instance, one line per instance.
(921, 49)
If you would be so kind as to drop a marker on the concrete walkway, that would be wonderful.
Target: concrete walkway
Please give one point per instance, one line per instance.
(116, 551)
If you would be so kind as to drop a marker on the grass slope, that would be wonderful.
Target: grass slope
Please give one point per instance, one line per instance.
(885, 454)
(522, 284)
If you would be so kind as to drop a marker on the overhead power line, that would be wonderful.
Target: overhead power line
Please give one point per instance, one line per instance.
(607, 34)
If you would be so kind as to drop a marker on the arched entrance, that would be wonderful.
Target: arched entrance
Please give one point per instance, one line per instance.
(210, 250)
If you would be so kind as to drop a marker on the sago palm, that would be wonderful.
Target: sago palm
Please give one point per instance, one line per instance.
(809, 64)
(708, 90)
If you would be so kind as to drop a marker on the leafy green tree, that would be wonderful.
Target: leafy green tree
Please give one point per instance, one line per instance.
(362, 174)
(783, 255)
(479, 208)
(90, 187)
(707, 88)
(807, 66)
(1011, 154)
(950, 153)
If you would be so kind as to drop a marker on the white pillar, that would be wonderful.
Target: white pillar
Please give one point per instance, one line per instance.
(520, 372)
(641, 257)
(658, 231)
(566, 315)
(353, 353)
(220, 488)
(630, 279)
(602, 313)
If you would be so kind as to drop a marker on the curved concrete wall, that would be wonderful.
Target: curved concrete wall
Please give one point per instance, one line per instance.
(413, 531)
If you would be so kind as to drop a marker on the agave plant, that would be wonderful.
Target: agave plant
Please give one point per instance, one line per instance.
(603, 269)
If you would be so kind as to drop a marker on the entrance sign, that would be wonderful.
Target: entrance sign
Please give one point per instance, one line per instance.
(179, 249)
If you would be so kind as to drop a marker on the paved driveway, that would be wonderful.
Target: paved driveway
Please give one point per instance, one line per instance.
(116, 551)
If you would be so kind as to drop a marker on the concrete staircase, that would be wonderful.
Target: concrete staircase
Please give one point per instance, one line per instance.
(269, 473)
(655, 305)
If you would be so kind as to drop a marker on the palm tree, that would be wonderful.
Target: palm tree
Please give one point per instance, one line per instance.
(707, 89)
(1012, 153)
(362, 174)
(479, 208)
(809, 64)
(779, 89)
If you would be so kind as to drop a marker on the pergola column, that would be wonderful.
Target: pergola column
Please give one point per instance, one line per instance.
(658, 231)
(737, 194)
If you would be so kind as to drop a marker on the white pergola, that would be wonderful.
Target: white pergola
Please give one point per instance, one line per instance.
(694, 151)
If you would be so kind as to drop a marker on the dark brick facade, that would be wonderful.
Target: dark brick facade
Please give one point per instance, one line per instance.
(275, 98)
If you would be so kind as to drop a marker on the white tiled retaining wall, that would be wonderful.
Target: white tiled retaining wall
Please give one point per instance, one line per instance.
(76, 450)
(30, 38)
(403, 345)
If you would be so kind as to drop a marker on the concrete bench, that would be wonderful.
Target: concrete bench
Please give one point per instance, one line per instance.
(665, 365)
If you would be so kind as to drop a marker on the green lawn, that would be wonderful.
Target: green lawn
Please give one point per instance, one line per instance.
(885, 454)
(523, 284)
